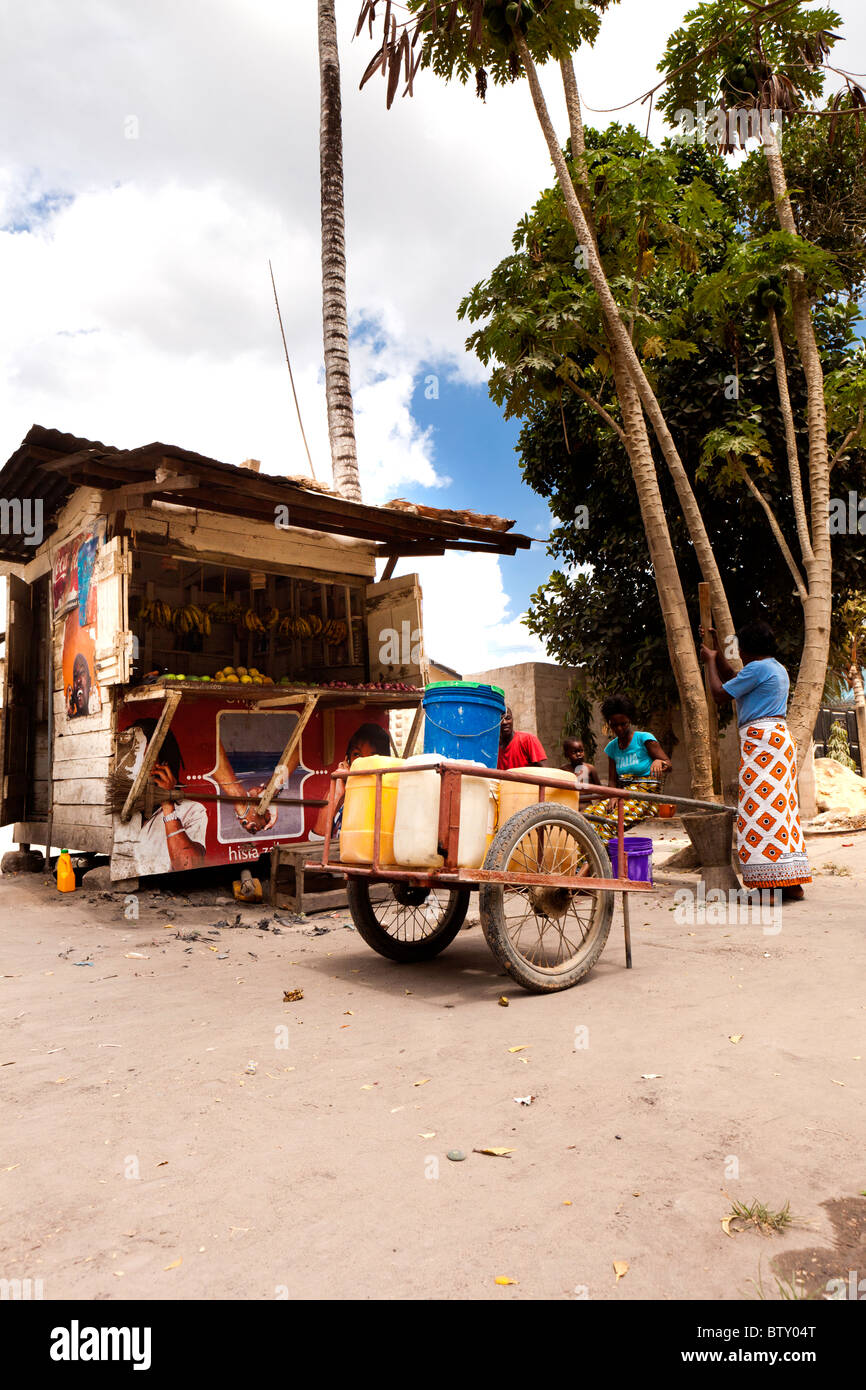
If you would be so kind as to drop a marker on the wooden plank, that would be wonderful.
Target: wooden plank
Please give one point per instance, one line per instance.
(280, 557)
(172, 700)
(90, 817)
(78, 835)
(712, 707)
(83, 745)
(74, 769)
(414, 731)
(80, 791)
(268, 793)
(86, 723)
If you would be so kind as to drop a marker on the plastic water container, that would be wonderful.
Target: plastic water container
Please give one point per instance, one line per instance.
(359, 813)
(462, 720)
(639, 854)
(516, 796)
(416, 828)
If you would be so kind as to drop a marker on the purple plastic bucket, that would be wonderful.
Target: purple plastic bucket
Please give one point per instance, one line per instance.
(639, 857)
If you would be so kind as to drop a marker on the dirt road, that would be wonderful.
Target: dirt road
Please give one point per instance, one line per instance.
(140, 1158)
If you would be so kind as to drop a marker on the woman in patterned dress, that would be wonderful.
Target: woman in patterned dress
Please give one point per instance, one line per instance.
(770, 844)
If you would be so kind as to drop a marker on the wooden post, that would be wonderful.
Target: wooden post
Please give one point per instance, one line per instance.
(151, 753)
(268, 793)
(712, 708)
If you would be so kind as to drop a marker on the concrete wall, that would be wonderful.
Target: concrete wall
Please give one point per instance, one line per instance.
(537, 692)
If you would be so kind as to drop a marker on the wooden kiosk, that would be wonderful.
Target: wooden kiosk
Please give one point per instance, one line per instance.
(187, 633)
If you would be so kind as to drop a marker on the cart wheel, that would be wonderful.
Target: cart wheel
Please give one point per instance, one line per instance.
(547, 938)
(410, 923)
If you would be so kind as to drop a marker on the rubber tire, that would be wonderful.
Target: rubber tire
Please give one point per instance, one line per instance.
(493, 925)
(404, 952)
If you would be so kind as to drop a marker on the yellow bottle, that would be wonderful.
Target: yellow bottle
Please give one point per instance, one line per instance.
(65, 873)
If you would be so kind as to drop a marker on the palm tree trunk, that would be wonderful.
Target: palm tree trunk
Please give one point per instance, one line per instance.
(338, 385)
(819, 567)
(678, 630)
(619, 335)
(634, 435)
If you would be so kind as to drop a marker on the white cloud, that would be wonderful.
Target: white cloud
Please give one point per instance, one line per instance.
(141, 309)
(468, 622)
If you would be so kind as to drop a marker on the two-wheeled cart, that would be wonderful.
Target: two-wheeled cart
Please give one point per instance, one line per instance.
(546, 887)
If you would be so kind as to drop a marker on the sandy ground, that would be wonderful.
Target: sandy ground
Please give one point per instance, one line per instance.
(140, 1159)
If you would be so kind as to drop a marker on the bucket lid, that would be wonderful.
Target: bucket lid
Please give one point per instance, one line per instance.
(464, 685)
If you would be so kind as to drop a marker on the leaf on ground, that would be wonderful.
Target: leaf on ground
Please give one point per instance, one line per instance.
(494, 1153)
(139, 955)
(290, 996)
(650, 1076)
(431, 1134)
(504, 1279)
(735, 1037)
(176, 1264)
(521, 1047)
(837, 1083)
(620, 1269)
(726, 1225)
(503, 1000)
(422, 1082)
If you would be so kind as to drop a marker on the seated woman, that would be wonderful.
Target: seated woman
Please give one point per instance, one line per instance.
(635, 759)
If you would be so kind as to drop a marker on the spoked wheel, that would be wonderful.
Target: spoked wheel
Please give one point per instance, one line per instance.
(547, 937)
(410, 923)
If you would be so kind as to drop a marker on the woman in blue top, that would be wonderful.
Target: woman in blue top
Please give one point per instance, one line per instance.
(635, 759)
(770, 844)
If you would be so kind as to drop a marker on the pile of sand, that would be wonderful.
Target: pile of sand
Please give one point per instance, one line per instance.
(840, 796)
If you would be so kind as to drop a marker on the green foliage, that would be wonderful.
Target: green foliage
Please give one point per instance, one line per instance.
(699, 305)
(730, 52)
(837, 745)
(827, 186)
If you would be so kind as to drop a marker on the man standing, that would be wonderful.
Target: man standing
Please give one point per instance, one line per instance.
(518, 750)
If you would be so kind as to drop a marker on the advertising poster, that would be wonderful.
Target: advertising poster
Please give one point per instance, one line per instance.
(228, 748)
(73, 598)
(71, 575)
(80, 690)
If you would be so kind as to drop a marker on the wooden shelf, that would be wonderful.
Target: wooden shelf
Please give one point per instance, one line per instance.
(254, 694)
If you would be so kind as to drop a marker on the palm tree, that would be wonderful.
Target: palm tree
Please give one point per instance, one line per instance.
(338, 385)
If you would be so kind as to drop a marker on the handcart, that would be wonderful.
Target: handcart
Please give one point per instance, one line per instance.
(546, 889)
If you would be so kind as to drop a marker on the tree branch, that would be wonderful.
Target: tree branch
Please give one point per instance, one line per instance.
(777, 532)
(590, 400)
(791, 443)
(855, 429)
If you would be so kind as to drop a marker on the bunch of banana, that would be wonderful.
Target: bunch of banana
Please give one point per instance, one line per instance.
(315, 624)
(156, 613)
(225, 611)
(335, 631)
(272, 617)
(191, 618)
(252, 622)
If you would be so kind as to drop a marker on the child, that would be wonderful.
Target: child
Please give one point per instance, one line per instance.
(575, 761)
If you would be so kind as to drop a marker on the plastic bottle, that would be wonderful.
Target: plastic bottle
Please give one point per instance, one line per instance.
(65, 873)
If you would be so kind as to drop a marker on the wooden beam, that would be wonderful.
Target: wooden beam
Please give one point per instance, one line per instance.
(276, 776)
(157, 738)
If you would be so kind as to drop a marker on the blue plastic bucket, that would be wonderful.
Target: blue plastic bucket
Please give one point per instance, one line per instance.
(462, 721)
(639, 857)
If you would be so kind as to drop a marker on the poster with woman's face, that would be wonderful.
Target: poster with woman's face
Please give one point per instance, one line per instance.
(80, 691)
(217, 758)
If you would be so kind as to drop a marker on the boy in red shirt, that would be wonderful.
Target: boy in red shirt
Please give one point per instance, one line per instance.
(518, 750)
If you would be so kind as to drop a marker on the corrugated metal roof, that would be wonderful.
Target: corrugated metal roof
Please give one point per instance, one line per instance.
(219, 486)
